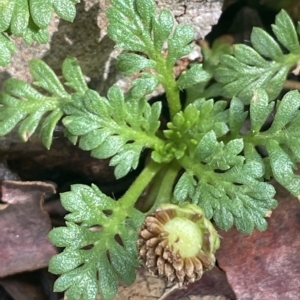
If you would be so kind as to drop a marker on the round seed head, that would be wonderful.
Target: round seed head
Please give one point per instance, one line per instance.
(178, 243)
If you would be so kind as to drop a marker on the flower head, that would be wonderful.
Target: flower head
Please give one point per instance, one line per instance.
(178, 243)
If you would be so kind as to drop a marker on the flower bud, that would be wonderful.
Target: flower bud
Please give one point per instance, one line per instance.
(178, 243)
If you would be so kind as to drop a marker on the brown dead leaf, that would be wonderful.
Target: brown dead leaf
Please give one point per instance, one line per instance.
(24, 227)
(265, 265)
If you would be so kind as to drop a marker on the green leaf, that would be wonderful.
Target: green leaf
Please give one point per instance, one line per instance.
(241, 80)
(115, 127)
(130, 63)
(179, 44)
(48, 127)
(245, 222)
(89, 239)
(237, 115)
(126, 160)
(285, 31)
(192, 76)
(287, 110)
(7, 47)
(26, 106)
(79, 283)
(185, 188)
(146, 9)
(135, 28)
(6, 11)
(263, 66)
(225, 185)
(111, 146)
(65, 8)
(282, 168)
(29, 125)
(41, 12)
(19, 17)
(123, 263)
(213, 116)
(206, 146)
(144, 85)
(30, 20)
(223, 218)
(72, 73)
(162, 28)
(265, 45)
(126, 26)
(260, 109)
(248, 56)
(46, 78)
(33, 33)
(94, 138)
(80, 125)
(108, 285)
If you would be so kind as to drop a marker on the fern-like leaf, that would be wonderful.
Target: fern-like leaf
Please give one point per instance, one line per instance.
(100, 245)
(225, 185)
(135, 27)
(117, 126)
(25, 106)
(30, 20)
(263, 66)
(282, 139)
(218, 177)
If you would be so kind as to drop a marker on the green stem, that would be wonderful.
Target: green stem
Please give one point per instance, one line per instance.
(146, 201)
(166, 188)
(167, 78)
(137, 187)
(169, 84)
(188, 164)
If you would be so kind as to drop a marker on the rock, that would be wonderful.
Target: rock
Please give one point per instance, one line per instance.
(86, 39)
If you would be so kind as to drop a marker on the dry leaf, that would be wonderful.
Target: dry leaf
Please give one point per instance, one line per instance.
(24, 227)
(265, 265)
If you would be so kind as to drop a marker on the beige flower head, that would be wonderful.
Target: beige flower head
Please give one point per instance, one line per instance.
(178, 243)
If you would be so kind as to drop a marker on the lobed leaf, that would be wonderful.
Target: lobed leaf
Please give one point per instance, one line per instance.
(185, 188)
(282, 168)
(192, 76)
(180, 43)
(265, 45)
(263, 66)
(285, 31)
(115, 127)
(134, 27)
(130, 63)
(30, 20)
(146, 10)
(162, 28)
(287, 110)
(7, 47)
(27, 107)
(237, 115)
(225, 185)
(89, 239)
(260, 109)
